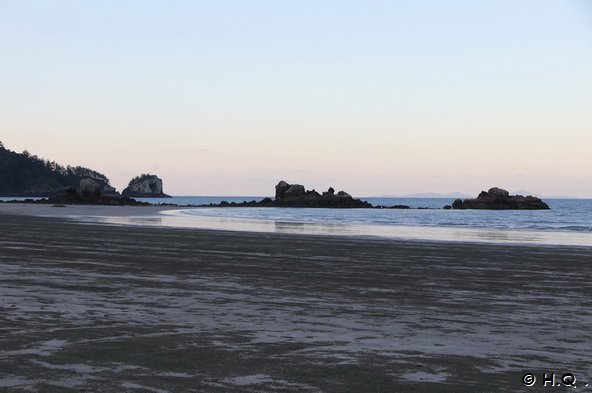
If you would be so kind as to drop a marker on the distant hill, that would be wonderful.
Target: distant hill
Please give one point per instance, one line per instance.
(524, 192)
(23, 174)
(430, 195)
(547, 196)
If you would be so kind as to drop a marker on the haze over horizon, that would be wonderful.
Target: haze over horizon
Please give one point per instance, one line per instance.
(372, 97)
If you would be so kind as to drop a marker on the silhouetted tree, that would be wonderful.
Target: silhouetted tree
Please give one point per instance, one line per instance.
(28, 174)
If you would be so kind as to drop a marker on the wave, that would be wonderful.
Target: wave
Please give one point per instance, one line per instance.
(576, 228)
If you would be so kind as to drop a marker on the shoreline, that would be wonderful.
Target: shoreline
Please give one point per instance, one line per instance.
(48, 210)
(173, 217)
(105, 308)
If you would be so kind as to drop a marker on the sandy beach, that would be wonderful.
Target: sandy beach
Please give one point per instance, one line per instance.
(99, 308)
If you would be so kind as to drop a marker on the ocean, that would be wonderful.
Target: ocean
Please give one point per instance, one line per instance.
(569, 222)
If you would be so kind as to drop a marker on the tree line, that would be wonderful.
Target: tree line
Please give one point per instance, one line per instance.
(27, 174)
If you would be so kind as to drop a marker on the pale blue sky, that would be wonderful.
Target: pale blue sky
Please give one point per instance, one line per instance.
(374, 97)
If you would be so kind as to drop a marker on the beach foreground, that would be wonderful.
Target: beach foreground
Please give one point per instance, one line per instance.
(102, 308)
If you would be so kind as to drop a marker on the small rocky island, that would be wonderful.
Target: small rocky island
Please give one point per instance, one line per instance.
(498, 199)
(91, 192)
(295, 195)
(145, 186)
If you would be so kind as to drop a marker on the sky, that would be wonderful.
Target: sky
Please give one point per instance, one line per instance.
(373, 97)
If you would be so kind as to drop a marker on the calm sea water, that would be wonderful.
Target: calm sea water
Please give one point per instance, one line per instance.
(569, 222)
(565, 214)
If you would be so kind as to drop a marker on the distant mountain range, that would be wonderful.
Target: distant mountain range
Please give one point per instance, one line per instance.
(453, 195)
(459, 195)
(524, 192)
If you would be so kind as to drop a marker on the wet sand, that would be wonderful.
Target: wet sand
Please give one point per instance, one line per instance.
(100, 308)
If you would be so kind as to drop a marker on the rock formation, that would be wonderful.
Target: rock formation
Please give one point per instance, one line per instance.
(89, 187)
(110, 191)
(499, 199)
(89, 195)
(145, 186)
(285, 190)
(295, 195)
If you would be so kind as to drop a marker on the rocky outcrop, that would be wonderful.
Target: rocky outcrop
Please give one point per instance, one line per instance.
(499, 199)
(72, 197)
(109, 191)
(280, 189)
(145, 186)
(295, 195)
(89, 187)
(285, 190)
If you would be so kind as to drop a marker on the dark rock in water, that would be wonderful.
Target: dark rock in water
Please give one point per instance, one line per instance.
(72, 197)
(145, 186)
(295, 195)
(447, 207)
(495, 193)
(457, 204)
(32, 201)
(294, 191)
(280, 189)
(499, 199)
(400, 207)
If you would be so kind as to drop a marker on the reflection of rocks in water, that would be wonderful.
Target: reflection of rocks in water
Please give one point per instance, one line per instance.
(146, 220)
(310, 228)
(289, 227)
(124, 220)
(509, 236)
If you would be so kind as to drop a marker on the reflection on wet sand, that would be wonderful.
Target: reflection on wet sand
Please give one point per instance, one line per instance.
(146, 220)
(171, 218)
(152, 309)
(308, 228)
